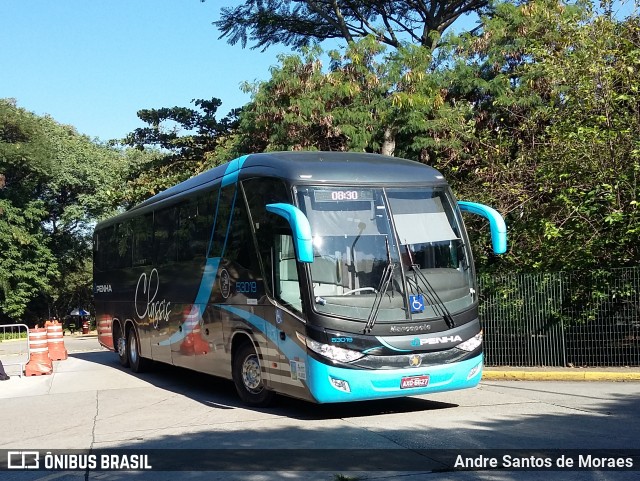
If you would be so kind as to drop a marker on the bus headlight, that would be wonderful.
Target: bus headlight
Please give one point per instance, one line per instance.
(471, 344)
(334, 353)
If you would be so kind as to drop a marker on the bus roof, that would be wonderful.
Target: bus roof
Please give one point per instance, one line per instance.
(309, 168)
(343, 167)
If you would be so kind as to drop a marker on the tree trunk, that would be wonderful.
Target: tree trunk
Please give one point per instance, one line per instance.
(389, 144)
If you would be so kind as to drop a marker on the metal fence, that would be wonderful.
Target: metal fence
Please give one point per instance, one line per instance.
(14, 347)
(562, 319)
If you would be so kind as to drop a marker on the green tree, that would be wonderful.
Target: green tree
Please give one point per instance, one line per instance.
(537, 115)
(556, 128)
(177, 144)
(366, 100)
(55, 184)
(299, 23)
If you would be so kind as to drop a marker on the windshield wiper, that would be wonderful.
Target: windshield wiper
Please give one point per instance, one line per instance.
(387, 276)
(432, 296)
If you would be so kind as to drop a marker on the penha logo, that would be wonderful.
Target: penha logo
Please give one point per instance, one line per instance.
(145, 299)
(435, 340)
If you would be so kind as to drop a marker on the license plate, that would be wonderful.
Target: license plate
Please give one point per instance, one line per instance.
(414, 381)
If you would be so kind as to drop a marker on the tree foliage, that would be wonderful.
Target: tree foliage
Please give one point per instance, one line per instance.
(554, 89)
(537, 115)
(55, 184)
(176, 145)
(368, 100)
(299, 23)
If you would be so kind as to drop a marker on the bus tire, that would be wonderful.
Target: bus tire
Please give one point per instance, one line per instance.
(120, 345)
(247, 377)
(137, 363)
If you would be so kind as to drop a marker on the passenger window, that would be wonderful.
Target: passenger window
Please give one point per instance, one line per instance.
(102, 249)
(240, 247)
(142, 240)
(122, 241)
(287, 284)
(164, 237)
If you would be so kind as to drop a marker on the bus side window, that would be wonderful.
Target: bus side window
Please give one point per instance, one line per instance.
(122, 242)
(240, 248)
(206, 206)
(223, 217)
(194, 221)
(142, 244)
(195, 218)
(103, 247)
(164, 238)
(287, 285)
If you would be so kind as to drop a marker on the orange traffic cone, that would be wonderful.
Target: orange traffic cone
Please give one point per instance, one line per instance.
(39, 362)
(55, 342)
(193, 344)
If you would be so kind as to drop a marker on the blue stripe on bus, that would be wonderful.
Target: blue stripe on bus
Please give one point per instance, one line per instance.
(289, 348)
(233, 170)
(365, 384)
(213, 263)
(386, 344)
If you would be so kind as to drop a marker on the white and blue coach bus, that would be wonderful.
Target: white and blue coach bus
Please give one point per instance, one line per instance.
(330, 277)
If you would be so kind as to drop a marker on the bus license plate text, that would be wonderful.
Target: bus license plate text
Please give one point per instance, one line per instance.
(414, 381)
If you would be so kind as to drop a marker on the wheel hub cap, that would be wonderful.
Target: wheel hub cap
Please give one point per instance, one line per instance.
(251, 374)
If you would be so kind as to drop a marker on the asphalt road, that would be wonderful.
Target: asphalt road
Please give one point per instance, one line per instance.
(91, 403)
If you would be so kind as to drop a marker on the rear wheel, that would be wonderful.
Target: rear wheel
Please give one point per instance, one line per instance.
(247, 376)
(120, 345)
(136, 362)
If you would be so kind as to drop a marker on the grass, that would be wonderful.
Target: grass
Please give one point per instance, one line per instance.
(12, 336)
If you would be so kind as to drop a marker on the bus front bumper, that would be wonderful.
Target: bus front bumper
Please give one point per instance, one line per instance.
(329, 384)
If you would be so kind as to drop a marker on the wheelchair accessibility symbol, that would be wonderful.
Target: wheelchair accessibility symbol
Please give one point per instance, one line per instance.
(416, 303)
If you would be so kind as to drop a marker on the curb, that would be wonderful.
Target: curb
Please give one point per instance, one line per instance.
(559, 376)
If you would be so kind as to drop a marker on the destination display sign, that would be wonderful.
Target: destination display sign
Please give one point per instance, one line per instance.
(342, 195)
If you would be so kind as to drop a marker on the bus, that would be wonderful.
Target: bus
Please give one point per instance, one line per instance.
(324, 276)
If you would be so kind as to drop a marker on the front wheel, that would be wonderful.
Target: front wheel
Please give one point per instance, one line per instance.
(247, 376)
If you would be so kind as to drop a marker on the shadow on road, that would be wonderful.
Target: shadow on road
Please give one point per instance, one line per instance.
(220, 393)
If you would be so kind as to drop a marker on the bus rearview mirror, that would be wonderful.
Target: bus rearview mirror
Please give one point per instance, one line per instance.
(496, 223)
(299, 226)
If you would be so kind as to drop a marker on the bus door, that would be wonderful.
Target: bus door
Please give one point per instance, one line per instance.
(275, 245)
(291, 368)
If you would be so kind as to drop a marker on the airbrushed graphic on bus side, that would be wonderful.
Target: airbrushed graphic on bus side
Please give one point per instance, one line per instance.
(288, 347)
(194, 317)
(146, 292)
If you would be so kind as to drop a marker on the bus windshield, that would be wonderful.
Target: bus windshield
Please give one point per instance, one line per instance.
(400, 252)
